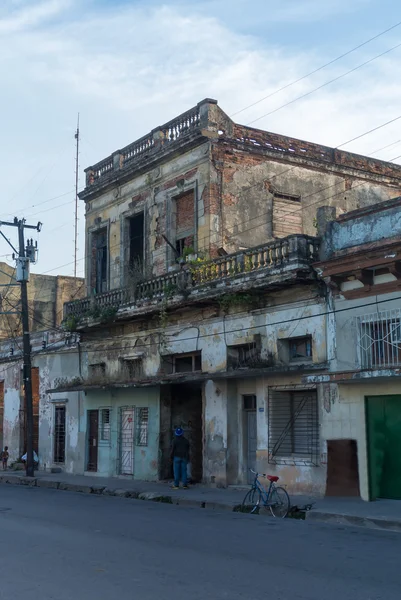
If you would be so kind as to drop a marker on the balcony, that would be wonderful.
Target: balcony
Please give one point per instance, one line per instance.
(184, 128)
(379, 339)
(272, 264)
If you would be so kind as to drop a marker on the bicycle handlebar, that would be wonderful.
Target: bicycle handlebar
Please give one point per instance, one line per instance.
(258, 474)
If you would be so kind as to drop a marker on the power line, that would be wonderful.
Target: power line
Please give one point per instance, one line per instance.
(284, 87)
(368, 132)
(323, 85)
(236, 330)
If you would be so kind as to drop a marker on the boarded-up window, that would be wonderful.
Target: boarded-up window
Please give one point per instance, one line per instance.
(184, 221)
(287, 215)
(293, 427)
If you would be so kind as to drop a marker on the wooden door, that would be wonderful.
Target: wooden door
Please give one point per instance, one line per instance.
(384, 446)
(93, 438)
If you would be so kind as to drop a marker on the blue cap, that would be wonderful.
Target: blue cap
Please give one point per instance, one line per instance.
(178, 431)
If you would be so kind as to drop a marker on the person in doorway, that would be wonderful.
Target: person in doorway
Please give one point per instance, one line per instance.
(180, 457)
(4, 457)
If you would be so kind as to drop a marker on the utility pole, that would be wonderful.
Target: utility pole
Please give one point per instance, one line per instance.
(76, 200)
(24, 256)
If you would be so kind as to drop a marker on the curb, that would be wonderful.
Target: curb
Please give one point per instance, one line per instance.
(117, 492)
(354, 521)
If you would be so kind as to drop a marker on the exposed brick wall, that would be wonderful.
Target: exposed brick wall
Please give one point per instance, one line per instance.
(185, 220)
(283, 145)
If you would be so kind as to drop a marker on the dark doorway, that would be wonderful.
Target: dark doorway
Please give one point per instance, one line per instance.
(181, 406)
(93, 434)
(342, 468)
(100, 266)
(59, 434)
(136, 241)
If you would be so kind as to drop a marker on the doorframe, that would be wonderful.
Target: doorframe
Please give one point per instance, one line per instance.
(89, 410)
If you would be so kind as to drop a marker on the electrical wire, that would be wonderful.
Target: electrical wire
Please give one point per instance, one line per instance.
(316, 70)
(324, 85)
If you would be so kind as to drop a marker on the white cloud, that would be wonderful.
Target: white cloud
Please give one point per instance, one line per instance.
(129, 69)
(31, 16)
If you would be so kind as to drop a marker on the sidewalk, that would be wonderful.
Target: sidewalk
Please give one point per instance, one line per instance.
(382, 514)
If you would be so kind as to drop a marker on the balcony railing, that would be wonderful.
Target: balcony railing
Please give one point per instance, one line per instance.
(157, 140)
(379, 339)
(297, 251)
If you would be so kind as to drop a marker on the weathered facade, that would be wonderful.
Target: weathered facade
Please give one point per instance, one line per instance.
(203, 307)
(46, 297)
(361, 264)
(57, 434)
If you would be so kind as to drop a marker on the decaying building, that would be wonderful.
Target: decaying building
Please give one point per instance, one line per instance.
(203, 307)
(46, 297)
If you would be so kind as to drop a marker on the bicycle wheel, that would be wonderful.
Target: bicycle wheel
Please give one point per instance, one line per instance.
(279, 503)
(251, 502)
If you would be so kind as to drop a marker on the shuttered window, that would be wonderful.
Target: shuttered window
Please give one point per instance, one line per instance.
(293, 427)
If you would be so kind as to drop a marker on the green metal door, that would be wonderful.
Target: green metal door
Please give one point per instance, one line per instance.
(384, 446)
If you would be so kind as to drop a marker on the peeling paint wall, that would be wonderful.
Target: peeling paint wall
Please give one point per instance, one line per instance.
(145, 458)
(46, 297)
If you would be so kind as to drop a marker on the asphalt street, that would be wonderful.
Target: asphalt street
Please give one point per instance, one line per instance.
(63, 545)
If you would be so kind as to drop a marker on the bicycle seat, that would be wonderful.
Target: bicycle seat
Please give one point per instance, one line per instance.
(273, 478)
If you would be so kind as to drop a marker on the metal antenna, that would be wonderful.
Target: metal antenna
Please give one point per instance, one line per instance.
(76, 199)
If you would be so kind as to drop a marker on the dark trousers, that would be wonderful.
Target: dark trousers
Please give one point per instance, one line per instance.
(180, 470)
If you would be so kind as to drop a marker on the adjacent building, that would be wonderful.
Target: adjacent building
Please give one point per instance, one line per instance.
(361, 265)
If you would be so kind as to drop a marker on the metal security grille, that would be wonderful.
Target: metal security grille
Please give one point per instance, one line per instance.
(142, 420)
(59, 434)
(126, 440)
(379, 339)
(105, 428)
(293, 427)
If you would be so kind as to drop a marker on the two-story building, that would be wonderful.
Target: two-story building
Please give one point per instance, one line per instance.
(203, 308)
(361, 264)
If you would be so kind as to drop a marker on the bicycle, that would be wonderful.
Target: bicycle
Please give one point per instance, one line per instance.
(274, 498)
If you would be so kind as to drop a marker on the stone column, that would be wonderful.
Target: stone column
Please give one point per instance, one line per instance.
(215, 433)
(262, 425)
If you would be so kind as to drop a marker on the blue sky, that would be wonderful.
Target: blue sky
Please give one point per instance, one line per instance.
(128, 66)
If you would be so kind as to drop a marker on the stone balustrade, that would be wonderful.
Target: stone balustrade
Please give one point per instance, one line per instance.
(295, 250)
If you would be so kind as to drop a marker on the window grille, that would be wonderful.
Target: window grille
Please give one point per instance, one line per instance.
(293, 427)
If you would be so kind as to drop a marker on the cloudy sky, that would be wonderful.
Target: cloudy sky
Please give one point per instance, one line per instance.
(128, 66)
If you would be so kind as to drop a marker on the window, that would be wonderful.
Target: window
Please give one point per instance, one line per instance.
(136, 242)
(97, 371)
(187, 363)
(183, 363)
(293, 427)
(100, 259)
(244, 356)
(379, 339)
(133, 368)
(59, 434)
(105, 425)
(300, 348)
(184, 208)
(287, 214)
(249, 402)
(142, 420)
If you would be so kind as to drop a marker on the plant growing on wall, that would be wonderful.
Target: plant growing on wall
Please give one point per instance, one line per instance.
(237, 299)
(70, 323)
